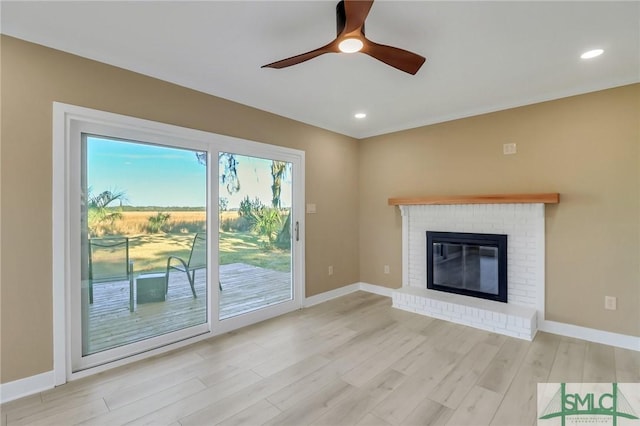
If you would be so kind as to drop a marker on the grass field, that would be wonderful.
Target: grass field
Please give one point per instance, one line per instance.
(150, 252)
(180, 222)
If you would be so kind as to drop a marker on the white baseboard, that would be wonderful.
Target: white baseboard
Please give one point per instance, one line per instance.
(591, 334)
(27, 386)
(376, 289)
(348, 289)
(331, 294)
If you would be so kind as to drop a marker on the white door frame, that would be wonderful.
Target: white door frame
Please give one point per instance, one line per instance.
(296, 157)
(67, 119)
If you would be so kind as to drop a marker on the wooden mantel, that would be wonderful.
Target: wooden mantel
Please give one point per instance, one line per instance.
(549, 198)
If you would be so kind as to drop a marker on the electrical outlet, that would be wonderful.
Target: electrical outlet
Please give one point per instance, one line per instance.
(386, 269)
(509, 148)
(610, 303)
(330, 270)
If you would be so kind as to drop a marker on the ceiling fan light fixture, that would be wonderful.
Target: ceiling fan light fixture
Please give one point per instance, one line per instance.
(592, 53)
(350, 38)
(350, 45)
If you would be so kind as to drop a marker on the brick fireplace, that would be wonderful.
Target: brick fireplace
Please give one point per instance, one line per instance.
(521, 219)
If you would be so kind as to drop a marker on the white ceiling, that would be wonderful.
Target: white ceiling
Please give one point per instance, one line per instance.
(481, 56)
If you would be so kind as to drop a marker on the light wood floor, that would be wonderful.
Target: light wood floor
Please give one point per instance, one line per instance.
(350, 361)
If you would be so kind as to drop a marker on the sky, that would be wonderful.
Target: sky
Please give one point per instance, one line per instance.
(152, 175)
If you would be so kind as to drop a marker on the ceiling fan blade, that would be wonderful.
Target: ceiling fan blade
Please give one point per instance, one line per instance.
(401, 59)
(329, 48)
(356, 12)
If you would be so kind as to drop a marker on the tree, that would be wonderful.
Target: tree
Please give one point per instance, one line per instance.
(158, 222)
(248, 207)
(223, 204)
(229, 175)
(99, 212)
(278, 171)
(268, 223)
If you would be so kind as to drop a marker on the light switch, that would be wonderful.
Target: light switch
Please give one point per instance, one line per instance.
(311, 208)
(610, 303)
(509, 148)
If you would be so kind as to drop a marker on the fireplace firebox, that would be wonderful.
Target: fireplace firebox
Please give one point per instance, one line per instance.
(468, 264)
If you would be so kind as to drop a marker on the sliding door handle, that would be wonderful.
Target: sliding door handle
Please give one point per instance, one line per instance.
(297, 231)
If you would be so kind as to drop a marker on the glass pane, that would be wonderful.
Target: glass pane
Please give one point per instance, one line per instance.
(143, 248)
(465, 266)
(255, 233)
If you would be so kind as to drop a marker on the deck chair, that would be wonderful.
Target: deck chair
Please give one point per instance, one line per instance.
(197, 260)
(109, 262)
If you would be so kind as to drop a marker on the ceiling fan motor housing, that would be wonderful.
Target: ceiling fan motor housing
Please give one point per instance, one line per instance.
(341, 18)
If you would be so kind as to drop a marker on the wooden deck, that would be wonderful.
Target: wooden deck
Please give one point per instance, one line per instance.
(245, 288)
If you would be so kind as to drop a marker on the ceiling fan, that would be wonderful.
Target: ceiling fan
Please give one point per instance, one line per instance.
(350, 17)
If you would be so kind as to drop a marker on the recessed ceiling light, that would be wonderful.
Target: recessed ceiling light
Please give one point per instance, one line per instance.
(350, 45)
(592, 53)
(360, 115)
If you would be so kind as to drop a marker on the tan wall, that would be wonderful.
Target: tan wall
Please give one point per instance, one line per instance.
(584, 147)
(32, 78)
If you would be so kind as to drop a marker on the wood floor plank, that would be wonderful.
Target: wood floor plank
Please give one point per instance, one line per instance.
(313, 407)
(363, 400)
(477, 408)
(495, 339)
(68, 416)
(25, 403)
(371, 420)
(217, 373)
(384, 383)
(192, 404)
(519, 403)
(225, 345)
(303, 388)
(221, 409)
(33, 405)
(256, 414)
(429, 413)
(43, 410)
(569, 362)
(105, 383)
(397, 406)
(348, 411)
(142, 406)
(142, 389)
(599, 364)
(454, 386)
(291, 354)
(627, 365)
(504, 366)
(383, 360)
(432, 365)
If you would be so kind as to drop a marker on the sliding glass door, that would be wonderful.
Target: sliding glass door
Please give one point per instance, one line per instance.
(256, 233)
(144, 260)
(143, 246)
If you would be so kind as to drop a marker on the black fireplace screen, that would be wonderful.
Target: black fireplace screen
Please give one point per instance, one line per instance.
(469, 264)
